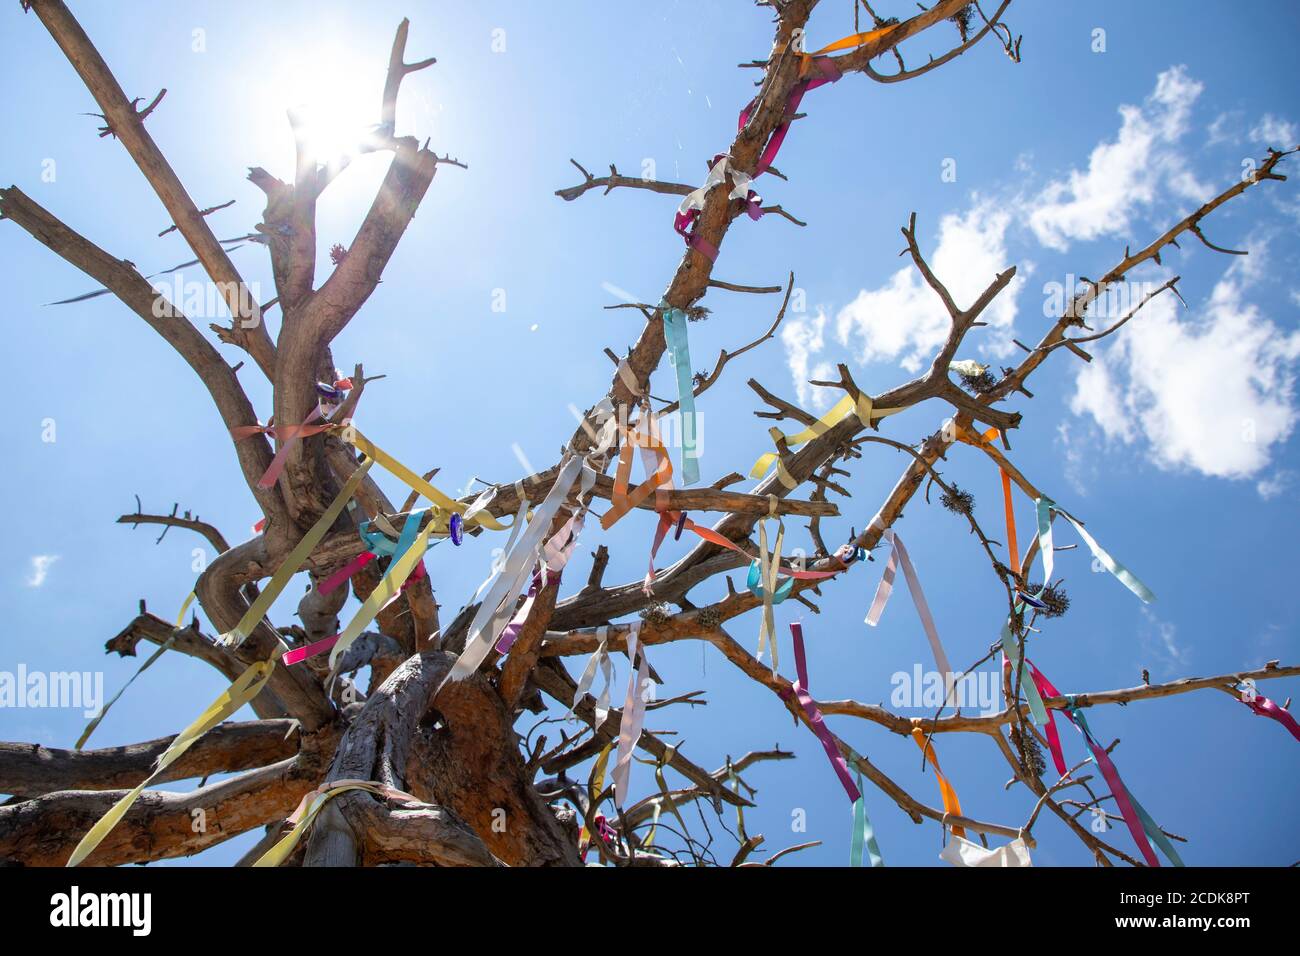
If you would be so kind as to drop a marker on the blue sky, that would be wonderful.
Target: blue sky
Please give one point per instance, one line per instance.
(1175, 445)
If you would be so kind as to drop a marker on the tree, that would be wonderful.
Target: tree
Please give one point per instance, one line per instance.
(425, 764)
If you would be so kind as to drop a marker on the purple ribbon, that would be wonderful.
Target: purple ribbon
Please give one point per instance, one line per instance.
(815, 720)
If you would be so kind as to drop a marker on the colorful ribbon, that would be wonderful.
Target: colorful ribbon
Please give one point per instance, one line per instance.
(410, 549)
(863, 835)
(257, 610)
(598, 659)
(495, 611)
(1139, 822)
(1044, 688)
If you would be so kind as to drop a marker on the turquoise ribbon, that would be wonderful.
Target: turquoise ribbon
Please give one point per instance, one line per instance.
(1012, 651)
(755, 584)
(1126, 577)
(679, 353)
(863, 835)
(383, 546)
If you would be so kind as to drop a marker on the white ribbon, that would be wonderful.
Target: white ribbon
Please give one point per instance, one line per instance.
(496, 610)
(721, 169)
(898, 555)
(599, 659)
(629, 730)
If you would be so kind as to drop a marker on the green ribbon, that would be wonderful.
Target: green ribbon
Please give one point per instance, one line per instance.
(863, 836)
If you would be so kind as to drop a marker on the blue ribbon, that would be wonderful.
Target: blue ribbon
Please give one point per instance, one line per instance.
(383, 546)
(680, 354)
(756, 586)
(1126, 577)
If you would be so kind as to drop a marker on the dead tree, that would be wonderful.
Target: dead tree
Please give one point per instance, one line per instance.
(441, 759)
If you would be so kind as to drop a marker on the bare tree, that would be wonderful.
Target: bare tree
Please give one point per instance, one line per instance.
(422, 764)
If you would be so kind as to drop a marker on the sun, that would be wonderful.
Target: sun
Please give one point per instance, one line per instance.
(332, 100)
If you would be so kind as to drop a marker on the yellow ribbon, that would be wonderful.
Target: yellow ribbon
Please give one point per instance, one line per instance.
(398, 571)
(416, 483)
(162, 649)
(311, 804)
(283, 574)
(848, 405)
(245, 687)
(596, 784)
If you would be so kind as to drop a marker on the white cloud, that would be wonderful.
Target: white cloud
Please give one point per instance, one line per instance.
(1272, 486)
(1159, 640)
(40, 569)
(804, 338)
(1212, 393)
(905, 321)
(1274, 131)
(1126, 174)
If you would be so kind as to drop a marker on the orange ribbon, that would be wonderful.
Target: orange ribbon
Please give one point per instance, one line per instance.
(951, 805)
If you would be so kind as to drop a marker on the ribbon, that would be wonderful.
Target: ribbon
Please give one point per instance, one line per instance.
(1139, 822)
(594, 787)
(311, 804)
(680, 354)
(494, 612)
(1264, 708)
(898, 555)
(411, 547)
(829, 74)
(689, 211)
(961, 852)
(1126, 577)
(257, 610)
(622, 500)
(1013, 549)
(768, 564)
(848, 405)
(1044, 688)
(1011, 661)
(244, 688)
(629, 730)
(287, 435)
(815, 720)
(162, 649)
(599, 659)
(413, 481)
(864, 838)
(555, 555)
(951, 805)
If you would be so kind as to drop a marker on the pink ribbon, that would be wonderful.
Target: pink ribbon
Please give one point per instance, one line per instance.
(1045, 689)
(309, 650)
(829, 74)
(1266, 708)
(815, 720)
